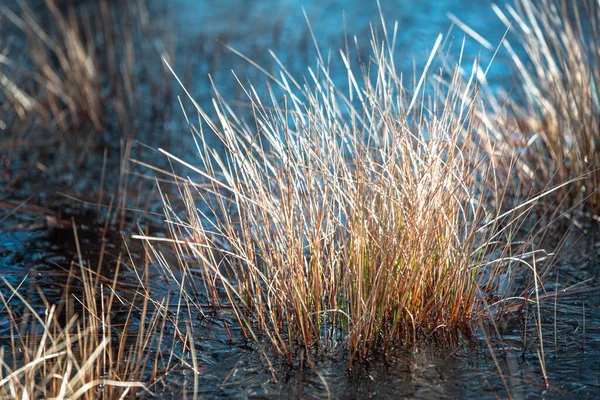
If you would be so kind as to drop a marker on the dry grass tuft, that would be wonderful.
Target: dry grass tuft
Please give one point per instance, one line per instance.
(553, 122)
(354, 219)
(64, 69)
(79, 71)
(104, 338)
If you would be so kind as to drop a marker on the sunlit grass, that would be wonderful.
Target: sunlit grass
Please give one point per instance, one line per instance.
(552, 119)
(81, 65)
(356, 219)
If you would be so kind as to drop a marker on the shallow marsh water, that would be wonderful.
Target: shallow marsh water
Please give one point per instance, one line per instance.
(234, 368)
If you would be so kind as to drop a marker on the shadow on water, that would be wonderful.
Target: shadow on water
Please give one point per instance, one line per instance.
(37, 241)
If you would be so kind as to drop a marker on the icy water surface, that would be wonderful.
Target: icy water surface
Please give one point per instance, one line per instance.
(194, 34)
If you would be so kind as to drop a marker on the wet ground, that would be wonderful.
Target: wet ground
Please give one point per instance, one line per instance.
(51, 181)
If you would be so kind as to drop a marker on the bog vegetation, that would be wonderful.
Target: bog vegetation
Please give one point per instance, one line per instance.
(356, 219)
(343, 219)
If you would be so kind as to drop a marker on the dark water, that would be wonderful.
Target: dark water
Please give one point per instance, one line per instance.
(192, 34)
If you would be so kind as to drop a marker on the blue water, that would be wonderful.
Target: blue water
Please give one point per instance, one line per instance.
(254, 27)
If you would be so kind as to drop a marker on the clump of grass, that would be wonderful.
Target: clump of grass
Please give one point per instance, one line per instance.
(355, 219)
(64, 68)
(104, 338)
(80, 70)
(553, 122)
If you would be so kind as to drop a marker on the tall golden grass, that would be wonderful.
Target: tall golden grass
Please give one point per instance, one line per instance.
(354, 219)
(552, 119)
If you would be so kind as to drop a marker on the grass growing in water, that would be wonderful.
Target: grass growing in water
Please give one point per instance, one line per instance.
(104, 338)
(554, 123)
(80, 68)
(357, 218)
